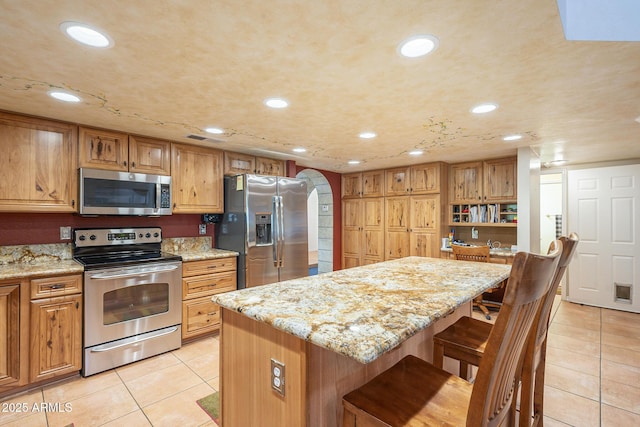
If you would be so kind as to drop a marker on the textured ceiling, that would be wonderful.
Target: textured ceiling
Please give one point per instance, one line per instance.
(180, 66)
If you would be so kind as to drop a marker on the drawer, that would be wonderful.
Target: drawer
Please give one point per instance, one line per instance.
(56, 286)
(199, 316)
(194, 268)
(208, 284)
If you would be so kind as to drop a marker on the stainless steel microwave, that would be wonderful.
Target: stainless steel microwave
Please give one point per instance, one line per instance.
(105, 192)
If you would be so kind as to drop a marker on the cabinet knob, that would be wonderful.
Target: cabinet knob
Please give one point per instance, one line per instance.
(133, 164)
(124, 163)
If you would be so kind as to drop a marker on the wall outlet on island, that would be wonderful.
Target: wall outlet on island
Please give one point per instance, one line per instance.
(202, 228)
(277, 376)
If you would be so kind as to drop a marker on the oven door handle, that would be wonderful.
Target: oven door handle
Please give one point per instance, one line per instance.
(134, 340)
(139, 272)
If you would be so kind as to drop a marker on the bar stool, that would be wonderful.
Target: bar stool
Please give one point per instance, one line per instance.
(414, 392)
(478, 254)
(466, 341)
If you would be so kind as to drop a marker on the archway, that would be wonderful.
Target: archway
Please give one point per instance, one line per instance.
(315, 180)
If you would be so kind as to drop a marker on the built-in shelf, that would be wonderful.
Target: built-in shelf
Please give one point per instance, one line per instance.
(484, 214)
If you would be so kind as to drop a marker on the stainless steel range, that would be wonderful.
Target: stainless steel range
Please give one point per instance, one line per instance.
(132, 296)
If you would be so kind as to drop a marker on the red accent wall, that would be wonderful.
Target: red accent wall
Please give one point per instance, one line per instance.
(40, 228)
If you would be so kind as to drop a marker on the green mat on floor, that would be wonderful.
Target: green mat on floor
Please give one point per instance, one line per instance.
(211, 405)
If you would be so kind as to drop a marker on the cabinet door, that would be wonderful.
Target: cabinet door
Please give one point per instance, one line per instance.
(102, 149)
(236, 163)
(351, 232)
(373, 184)
(147, 155)
(266, 166)
(14, 334)
(397, 181)
(39, 165)
(373, 232)
(56, 337)
(351, 185)
(424, 213)
(197, 181)
(500, 179)
(425, 178)
(466, 183)
(396, 227)
(424, 244)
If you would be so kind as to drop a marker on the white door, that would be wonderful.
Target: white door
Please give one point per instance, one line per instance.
(603, 210)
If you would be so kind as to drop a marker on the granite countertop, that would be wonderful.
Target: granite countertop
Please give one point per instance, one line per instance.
(366, 311)
(21, 261)
(194, 248)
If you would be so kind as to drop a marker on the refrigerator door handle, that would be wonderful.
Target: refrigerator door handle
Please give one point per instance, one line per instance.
(281, 231)
(275, 234)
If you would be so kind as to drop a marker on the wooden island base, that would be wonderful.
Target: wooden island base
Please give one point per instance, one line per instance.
(315, 378)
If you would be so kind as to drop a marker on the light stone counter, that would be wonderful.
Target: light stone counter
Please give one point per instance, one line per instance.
(194, 248)
(366, 311)
(20, 261)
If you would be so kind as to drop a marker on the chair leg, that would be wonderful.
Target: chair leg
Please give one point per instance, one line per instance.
(348, 418)
(464, 370)
(478, 303)
(438, 354)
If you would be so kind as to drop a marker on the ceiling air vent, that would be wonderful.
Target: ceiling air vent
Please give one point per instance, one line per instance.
(203, 138)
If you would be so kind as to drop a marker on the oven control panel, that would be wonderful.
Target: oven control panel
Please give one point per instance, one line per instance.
(116, 236)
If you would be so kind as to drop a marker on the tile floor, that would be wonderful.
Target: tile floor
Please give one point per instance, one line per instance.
(593, 379)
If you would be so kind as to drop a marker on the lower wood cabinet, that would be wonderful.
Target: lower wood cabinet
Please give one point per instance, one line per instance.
(56, 327)
(200, 281)
(14, 333)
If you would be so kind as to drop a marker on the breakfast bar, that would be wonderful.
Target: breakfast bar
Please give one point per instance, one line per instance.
(331, 333)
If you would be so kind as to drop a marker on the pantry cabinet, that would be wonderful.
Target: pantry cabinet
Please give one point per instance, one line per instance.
(14, 333)
(200, 281)
(363, 231)
(412, 226)
(363, 184)
(197, 179)
(111, 150)
(418, 179)
(56, 327)
(39, 165)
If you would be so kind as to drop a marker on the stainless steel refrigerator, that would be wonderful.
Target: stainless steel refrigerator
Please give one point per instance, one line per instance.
(265, 220)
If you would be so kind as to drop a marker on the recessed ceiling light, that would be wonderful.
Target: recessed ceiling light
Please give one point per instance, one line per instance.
(299, 150)
(85, 34)
(64, 96)
(216, 131)
(512, 137)
(276, 103)
(415, 152)
(354, 162)
(484, 108)
(417, 46)
(367, 135)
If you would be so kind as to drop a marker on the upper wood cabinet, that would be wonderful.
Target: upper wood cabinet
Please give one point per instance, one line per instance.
(265, 166)
(501, 179)
(39, 165)
(237, 163)
(14, 333)
(103, 149)
(417, 179)
(197, 179)
(488, 181)
(363, 184)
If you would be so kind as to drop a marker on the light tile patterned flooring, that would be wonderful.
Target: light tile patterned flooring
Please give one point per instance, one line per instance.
(593, 379)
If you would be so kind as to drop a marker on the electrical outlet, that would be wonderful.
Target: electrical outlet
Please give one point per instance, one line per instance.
(277, 376)
(474, 233)
(65, 233)
(203, 228)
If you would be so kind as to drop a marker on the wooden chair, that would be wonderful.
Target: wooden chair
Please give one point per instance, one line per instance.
(466, 341)
(478, 254)
(415, 393)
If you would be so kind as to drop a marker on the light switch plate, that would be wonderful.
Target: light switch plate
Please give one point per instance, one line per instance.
(203, 228)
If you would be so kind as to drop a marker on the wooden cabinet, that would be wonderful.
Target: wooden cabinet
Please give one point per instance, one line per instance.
(413, 226)
(39, 165)
(197, 179)
(362, 231)
(363, 184)
(265, 166)
(14, 333)
(201, 280)
(104, 149)
(487, 181)
(56, 327)
(418, 179)
(236, 163)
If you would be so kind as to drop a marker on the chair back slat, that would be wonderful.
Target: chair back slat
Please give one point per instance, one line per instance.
(494, 387)
(471, 253)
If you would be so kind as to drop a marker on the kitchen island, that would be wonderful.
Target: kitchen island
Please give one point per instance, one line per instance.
(334, 332)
